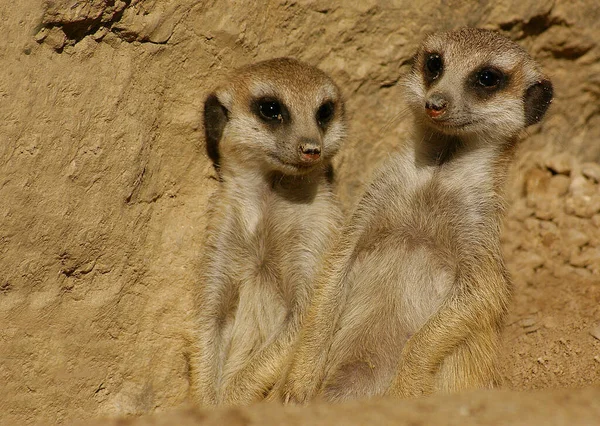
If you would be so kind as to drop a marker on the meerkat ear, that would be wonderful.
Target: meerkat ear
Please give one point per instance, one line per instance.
(537, 100)
(215, 119)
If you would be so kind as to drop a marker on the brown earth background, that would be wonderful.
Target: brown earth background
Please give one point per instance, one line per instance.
(104, 181)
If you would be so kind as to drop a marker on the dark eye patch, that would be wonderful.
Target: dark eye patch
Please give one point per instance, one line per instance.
(270, 110)
(433, 67)
(488, 80)
(325, 113)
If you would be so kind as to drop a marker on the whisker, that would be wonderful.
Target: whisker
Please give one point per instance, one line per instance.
(395, 119)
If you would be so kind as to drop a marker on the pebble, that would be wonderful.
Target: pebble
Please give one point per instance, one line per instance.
(549, 227)
(544, 211)
(574, 237)
(588, 256)
(591, 171)
(41, 35)
(549, 238)
(55, 38)
(595, 330)
(531, 224)
(583, 206)
(561, 163)
(521, 212)
(530, 324)
(559, 185)
(530, 260)
(550, 323)
(536, 184)
(584, 273)
(99, 35)
(581, 186)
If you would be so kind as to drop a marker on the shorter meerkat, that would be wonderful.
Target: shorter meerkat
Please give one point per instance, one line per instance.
(271, 131)
(413, 294)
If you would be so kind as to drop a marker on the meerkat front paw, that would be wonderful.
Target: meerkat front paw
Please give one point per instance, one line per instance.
(295, 397)
(297, 392)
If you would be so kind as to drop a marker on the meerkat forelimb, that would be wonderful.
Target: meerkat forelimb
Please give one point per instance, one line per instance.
(414, 292)
(271, 130)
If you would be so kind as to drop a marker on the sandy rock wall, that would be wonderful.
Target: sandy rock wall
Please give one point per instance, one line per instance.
(552, 245)
(104, 181)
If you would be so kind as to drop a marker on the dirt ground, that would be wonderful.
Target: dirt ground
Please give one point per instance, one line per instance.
(104, 186)
(557, 408)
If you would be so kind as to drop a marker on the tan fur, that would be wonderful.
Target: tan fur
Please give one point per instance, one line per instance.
(413, 294)
(270, 221)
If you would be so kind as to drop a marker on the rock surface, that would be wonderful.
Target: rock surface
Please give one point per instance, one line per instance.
(104, 182)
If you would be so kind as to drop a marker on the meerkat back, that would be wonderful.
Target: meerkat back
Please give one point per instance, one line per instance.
(414, 292)
(272, 130)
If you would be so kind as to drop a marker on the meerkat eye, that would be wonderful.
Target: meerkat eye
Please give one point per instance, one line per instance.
(270, 110)
(489, 78)
(325, 113)
(434, 65)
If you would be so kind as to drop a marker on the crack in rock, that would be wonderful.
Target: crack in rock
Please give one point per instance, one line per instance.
(67, 22)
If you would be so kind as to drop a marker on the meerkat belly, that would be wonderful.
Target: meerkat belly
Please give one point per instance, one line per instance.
(393, 289)
(276, 263)
(259, 311)
(260, 314)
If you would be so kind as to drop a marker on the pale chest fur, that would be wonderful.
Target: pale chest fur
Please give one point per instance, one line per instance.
(429, 217)
(280, 241)
(407, 196)
(273, 246)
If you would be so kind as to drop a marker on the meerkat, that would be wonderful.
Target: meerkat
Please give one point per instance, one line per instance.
(271, 131)
(413, 293)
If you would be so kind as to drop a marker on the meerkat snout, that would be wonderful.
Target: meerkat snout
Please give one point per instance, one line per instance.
(436, 105)
(310, 150)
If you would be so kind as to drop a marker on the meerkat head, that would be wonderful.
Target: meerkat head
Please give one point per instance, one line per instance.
(476, 82)
(277, 115)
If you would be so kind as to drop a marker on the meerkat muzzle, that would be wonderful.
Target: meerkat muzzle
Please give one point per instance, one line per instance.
(309, 152)
(436, 106)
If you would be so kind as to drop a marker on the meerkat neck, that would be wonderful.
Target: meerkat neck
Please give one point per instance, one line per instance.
(477, 164)
(242, 183)
(433, 148)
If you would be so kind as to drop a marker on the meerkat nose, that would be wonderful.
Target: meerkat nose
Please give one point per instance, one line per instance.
(310, 150)
(436, 106)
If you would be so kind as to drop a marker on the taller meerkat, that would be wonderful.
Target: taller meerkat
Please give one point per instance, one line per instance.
(271, 131)
(414, 292)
